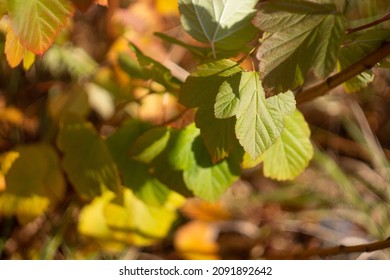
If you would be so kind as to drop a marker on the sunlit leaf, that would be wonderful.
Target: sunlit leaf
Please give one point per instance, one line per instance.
(93, 170)
(127, 220)
(259, 120)
(298, 28)
(225, 24)
(14, 50)
(37, 22)
(291, 153)
(33, 182)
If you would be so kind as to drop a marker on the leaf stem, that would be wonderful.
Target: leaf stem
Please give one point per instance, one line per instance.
(362, 65)
(341, 249)
(368, 25)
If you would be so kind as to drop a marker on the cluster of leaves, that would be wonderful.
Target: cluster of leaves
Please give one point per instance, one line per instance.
(136, 178)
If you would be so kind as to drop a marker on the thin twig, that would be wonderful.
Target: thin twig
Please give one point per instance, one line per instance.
(326, 252)
(333, 81)
(368, 25)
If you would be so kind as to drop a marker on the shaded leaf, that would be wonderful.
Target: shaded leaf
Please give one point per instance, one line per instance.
(291, 153)
(298, 28)
(201, 52)
(150, 144)
(154, 70)
(225, 24)
(218, 134)
(136, 175)
(62, 102)
(93, 170)
(358, 47)
(202, 86)
(37, 22)
(206, 179)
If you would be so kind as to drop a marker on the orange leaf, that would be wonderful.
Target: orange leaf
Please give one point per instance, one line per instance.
(14, 50)
(37, 22)
(197, 241)
(205, 211)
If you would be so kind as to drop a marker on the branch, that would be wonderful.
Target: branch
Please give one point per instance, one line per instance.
(333, 81)
(368, 25)
(325, 252)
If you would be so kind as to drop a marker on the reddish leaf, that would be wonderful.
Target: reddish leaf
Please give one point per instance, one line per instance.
(37, 22)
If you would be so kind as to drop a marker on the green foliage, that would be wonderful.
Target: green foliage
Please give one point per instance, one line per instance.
(133, 172)
(87, 160)
(291, 153)
(225, 25)
(298, 28)
(357, 47)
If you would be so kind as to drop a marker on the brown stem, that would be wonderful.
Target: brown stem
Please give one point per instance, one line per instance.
(368, 25)
(325, 252)
(333, 81)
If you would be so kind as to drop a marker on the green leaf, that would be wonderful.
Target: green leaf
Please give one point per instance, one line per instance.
(202, 86)
(206, 179)
(150, 144)
(37, 22)
(356, 48)
(154, 70)
(227, 99)
(259, 121)
(291, 153)
(137, 175)
(201, 52)
(304, 34)
(187, 153)
(130, 66)
(218, 134)
(33, 181)
(225, 24)
(201, 89)
(87, 160)
(283, 102)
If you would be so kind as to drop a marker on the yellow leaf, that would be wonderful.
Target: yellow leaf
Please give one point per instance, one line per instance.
(14, 50)
(28, 60)
(167, 7)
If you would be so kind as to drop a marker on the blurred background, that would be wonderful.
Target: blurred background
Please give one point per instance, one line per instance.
(341, 199)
